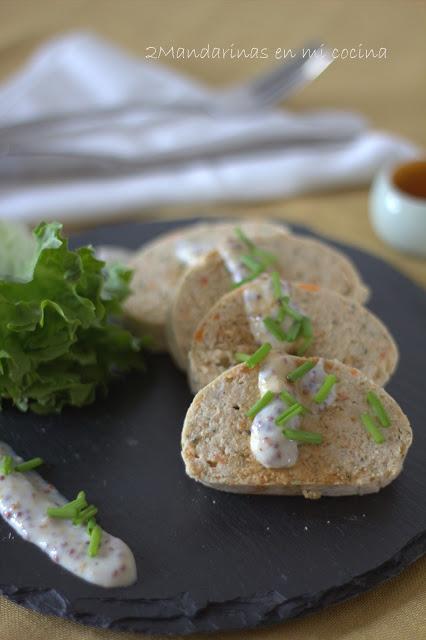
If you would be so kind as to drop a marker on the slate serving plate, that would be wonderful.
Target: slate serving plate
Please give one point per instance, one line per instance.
(210, 561)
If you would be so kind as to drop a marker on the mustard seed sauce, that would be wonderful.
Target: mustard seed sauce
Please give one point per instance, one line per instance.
(24, 500)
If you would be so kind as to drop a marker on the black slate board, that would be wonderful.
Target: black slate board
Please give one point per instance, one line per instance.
(211, 561)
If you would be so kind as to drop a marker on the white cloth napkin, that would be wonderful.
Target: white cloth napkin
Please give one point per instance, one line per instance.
(245, 156)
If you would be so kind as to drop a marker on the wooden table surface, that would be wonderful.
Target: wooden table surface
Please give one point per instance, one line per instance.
(391, 92)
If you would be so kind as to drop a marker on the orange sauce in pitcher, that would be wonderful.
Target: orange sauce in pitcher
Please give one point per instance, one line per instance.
(411, 178)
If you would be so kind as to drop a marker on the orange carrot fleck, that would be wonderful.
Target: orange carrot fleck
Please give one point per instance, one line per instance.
(308, 286)
(199, 334)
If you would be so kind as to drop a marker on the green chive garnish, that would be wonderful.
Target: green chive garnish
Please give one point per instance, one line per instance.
(372, 428)
(307, 327)
(266, 257)
(29, 464)
(95, 541)
(308, 334)
(288, 414)
(303, 436)
(281, 314)
(70, 510)
(85, 514)
(274, 328)
(276, 285)
(90, 525)
(378, 409)
(292, 312)
(288, 398)
(294, 331)
(242, 236)
(324, 391)
(305, 346)
(258, 355)
(257, 260)
(260, 404)
(250, 263)
(241, 357)
(291, 400)
(250, 278)
(7, 465)
(67, 512)
(298, 373)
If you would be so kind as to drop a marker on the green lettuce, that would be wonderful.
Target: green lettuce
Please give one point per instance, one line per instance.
(17, 249)
(59, 338)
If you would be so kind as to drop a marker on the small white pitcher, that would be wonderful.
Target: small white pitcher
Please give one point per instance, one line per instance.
(398, 206)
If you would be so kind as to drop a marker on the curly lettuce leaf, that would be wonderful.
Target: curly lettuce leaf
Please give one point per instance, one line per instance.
(59, 341)
(17, 250)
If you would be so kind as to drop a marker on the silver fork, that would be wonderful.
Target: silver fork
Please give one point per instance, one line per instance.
(265, 90)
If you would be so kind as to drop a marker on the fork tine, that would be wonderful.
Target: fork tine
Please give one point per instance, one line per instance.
(286, 83)
(281, 71)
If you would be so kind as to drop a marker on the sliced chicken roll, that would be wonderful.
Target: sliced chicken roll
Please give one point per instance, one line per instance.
(159, 265)
(294, 426)
(294, 318)
(296, 258)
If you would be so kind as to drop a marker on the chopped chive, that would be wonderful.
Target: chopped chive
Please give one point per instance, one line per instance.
(288, 398)
(90, 525)
(249, 278)
(307, 327)
(95, 541)
(80, 501)
(29, 464)
(251, 263)
(291, 400)
(7, 465)
(292, 312)
(85, 514)
(242, 236)
(324, 391)
(266, 257)
(281, 314)
(305, 346)
(298, 373)
(303, 436)
(241, 357)
(288, 414)
(257, 260)
(258, 355)
(70, 510)
(307, 333)
(274, 328)
(260, 404)
(378, 409)
(67, 512)
(293, 332)
(372, 428)
(276, 285)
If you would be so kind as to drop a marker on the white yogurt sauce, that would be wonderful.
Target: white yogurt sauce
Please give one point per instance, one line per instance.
(112, 254)
(267, 442)
(24, 499)
(259, 302)
(312, 382)
(189, 249)
(272, 375)
(231, 251)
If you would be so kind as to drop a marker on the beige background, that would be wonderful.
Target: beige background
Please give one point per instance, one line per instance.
(391, 92)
